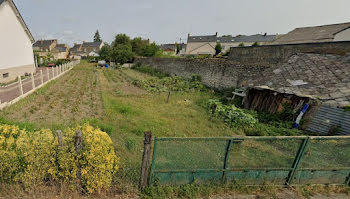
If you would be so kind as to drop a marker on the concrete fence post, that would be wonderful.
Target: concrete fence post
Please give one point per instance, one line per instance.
(33, 80)
(20, 85)
(41, 77)
(48, 74)
(53, 73)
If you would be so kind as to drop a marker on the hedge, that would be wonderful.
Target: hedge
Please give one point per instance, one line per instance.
(35, 158)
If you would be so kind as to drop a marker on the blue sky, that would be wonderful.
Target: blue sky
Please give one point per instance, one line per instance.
(166, 21)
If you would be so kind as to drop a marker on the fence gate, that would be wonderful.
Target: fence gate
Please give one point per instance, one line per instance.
(251, 160)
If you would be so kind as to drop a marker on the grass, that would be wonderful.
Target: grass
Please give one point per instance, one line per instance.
(108, 99)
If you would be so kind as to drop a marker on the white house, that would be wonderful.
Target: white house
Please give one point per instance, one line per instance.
(16, 53)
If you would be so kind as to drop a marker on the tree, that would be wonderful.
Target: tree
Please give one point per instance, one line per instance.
(178, 48)
(106, 53)
(218, 48)
(97, 37)
(121, 51)
(241, 45)
(150, 50)
(138, 44)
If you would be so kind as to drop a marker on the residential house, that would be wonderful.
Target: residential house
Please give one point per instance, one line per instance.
(76, 52)
(44, 45)
(197, 45)
(201, 45)
(86, 49)
(169, 49)
(16, 41)
(325, 33)
(61, 51)
(243, 40)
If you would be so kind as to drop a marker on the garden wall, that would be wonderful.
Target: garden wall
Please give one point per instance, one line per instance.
(215, 73)
(272, 54)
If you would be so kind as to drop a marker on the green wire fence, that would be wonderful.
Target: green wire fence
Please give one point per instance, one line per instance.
(251, 160)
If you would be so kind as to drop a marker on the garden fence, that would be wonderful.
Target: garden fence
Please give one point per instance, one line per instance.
(13, 92)
(251, 160)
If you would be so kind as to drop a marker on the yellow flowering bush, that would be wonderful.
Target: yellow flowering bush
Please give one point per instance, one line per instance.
(10, 163)
(33, 158)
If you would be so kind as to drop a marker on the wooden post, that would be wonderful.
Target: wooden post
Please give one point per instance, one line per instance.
(145, 160)
(41, 77)
(20, 85)
(60, 138)
(78, 146)
(53, 73)
(33, 81)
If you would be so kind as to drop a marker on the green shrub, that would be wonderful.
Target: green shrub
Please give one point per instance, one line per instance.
(35, 158)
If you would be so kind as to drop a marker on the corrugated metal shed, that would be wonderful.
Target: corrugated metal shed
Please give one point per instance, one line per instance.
(327, 117)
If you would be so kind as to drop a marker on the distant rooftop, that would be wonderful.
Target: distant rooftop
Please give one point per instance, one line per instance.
(92, 44)
(43, 43)
(313, 34)
(204, 38)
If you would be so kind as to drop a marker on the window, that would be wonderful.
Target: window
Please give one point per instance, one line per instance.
(5, 75)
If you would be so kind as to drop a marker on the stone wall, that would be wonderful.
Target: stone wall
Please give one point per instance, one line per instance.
(272, 54)
(215, 73)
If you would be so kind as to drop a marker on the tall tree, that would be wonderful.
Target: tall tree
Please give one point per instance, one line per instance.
(97, 37)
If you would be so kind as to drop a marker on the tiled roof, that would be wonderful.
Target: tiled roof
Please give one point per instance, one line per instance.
(168, 46)
(312, 34)
(60, 49)
(76, 47)
(325, 77)
(92, 44)
(255, 38)
(43, 43)
(205, 38)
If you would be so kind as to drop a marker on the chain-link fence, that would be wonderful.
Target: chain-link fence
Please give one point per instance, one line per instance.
(251, 160)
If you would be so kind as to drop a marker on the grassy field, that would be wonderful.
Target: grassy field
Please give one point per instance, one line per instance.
(107, 98)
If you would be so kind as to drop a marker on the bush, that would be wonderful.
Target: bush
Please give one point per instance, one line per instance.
(35, 158)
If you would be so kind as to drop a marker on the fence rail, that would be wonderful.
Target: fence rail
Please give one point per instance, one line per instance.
(12, 93)
(251, 160)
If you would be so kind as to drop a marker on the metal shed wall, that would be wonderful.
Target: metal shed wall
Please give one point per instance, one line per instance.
(327, 117)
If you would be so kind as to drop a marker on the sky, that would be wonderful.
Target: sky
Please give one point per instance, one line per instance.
(165, 21)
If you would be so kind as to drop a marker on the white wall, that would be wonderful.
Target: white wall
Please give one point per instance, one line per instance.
(15, 45)
(343, 35)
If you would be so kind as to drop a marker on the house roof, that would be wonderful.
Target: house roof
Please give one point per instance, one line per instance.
(255, 38)
(313, 34)
(205, 38)
(43, 43)
(20, 18)
(168, 47)
(325, 77)
(91, 44)
(76, 47)
(60, 49)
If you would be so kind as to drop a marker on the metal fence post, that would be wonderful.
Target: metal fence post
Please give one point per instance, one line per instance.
(33, 81)
(20, 85)
(41, 77)
(227, 152)
(145, 160)
(153, 161)
(297, 160)
(347, 182)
